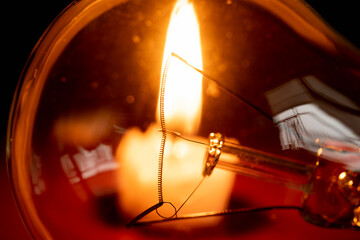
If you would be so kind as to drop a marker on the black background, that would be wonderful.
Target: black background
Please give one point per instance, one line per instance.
(23, 22)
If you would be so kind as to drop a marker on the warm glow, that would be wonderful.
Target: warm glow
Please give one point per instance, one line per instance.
(319, 152)
(183, 84)
(342, 175)
(138, 152)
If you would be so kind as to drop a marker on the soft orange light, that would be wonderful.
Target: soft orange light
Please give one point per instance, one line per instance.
(138, 152)
(183, 84)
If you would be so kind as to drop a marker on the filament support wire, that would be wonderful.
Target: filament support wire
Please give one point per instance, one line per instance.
(216, 214)
(137, 220)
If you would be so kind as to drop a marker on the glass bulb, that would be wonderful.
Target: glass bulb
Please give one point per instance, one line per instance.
(110, 126)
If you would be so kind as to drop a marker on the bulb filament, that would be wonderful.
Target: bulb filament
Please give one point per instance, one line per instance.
(215, 145)
(250, 162)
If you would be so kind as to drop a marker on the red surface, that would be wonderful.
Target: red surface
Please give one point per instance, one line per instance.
(11, 226)
(277, 224)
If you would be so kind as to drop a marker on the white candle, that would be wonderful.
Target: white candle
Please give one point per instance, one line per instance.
(138, 156)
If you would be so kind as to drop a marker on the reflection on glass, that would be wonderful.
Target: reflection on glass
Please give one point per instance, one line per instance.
(88, 163)
(312, 124)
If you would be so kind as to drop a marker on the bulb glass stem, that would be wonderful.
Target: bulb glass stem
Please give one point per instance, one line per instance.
(255, 163)
(266, 166)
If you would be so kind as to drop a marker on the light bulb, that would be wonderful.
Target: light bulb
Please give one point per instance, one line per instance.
(176, 114)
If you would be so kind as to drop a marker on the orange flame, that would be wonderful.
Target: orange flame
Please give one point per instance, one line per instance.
(183, 85)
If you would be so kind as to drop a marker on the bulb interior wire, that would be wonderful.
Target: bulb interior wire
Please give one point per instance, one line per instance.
(137, 220)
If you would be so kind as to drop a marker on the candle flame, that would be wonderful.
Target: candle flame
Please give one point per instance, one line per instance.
(183, 85)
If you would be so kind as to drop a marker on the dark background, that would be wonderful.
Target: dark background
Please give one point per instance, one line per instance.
(25, 21)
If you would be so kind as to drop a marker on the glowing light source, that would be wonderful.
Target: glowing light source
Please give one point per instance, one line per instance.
(138, 152)
(183, 84)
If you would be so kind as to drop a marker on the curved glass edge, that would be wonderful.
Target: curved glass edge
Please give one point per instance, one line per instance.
(308, 23)
(49, 46)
